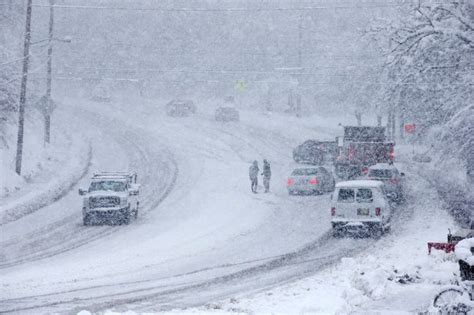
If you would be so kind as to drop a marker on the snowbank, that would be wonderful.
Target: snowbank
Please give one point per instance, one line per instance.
(48, 172)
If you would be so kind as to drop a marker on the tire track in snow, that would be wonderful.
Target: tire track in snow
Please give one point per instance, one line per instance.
(70, 239)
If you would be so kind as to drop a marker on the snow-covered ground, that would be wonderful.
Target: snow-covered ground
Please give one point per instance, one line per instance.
(202, 238)
(393, 275)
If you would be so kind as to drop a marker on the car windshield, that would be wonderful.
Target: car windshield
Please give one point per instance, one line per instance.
(108, 185)
(305, 172)
(364, 195)
(380, 173)
(346, 195)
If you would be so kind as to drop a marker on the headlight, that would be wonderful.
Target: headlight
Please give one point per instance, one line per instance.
(123, 201)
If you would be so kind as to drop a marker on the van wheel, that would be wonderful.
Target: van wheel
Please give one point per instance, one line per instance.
(378, 230)
(336, 233)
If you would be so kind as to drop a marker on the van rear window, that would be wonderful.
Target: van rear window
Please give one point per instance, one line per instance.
(346, 195)
(364, 195)
(380, 173)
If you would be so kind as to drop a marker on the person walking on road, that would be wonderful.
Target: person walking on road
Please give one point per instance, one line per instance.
(267, 174)
(253, 174)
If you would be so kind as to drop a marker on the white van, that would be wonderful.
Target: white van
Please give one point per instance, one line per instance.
(360, 205)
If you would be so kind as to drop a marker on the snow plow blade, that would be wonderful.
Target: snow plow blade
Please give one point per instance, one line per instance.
(447, 247)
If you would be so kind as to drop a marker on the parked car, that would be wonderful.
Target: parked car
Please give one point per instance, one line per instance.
(360, 206)
(315, 152)
(101, 94)
(180, 108)
(226, 114)
(110, 197)
(391, 177)
(310, 180)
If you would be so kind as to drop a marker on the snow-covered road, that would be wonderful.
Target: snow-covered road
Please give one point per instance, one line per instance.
(200, 236)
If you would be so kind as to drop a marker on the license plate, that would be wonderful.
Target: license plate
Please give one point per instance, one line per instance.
(363, 211)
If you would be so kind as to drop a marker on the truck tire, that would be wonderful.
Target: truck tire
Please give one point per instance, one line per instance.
(125, 217)
(86, 220)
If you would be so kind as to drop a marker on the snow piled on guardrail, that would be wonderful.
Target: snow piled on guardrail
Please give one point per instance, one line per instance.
(55, 174)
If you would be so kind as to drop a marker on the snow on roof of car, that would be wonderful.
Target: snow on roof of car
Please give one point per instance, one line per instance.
(110, 177)
(114, 174)
(360, 183)
(382, 166)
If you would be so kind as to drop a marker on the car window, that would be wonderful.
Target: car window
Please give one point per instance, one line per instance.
(108, 185)
(380, 173)
(323, 171)
(345, 195)
(364, 195)
(305, 172)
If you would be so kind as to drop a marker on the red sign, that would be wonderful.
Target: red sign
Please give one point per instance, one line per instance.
(410, 128)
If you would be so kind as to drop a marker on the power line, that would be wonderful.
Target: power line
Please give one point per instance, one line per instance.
(230, 71)
(309, 8)
(138, 80)
(12, 61)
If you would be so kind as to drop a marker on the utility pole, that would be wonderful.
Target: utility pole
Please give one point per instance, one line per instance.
(47, 114)
(24, 80)
(300, 65)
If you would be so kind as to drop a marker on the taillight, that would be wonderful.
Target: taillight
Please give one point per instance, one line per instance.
(377, 211)
(392, 154)
(333, 211)
(290, 182)
(313, 181)
(351, 152)
(365, 170)
(394, 180)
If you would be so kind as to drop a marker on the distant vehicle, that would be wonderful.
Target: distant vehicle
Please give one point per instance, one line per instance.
(315, 152)
(362, 146)
(110, 197)
(421, 158)
(180, 108)
(310, 180)
(226, 114)
(392, 179)
(101, 94)
(360, 206)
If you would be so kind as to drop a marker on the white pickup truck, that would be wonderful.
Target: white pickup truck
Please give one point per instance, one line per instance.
(111, 197)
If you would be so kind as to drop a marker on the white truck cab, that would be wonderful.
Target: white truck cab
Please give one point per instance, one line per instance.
(110, 197)
(360, 205)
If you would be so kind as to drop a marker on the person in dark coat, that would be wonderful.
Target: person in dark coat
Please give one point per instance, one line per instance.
(253, 175)
(267, 174)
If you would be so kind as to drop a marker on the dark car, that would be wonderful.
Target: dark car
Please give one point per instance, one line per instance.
(180, 108)
(392, 179)
(315, 152)
(226, 114)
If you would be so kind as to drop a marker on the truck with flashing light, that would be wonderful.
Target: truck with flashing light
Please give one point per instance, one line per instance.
(360, 148)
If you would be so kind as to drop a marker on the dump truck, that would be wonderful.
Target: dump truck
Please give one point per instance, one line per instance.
(361, 147)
